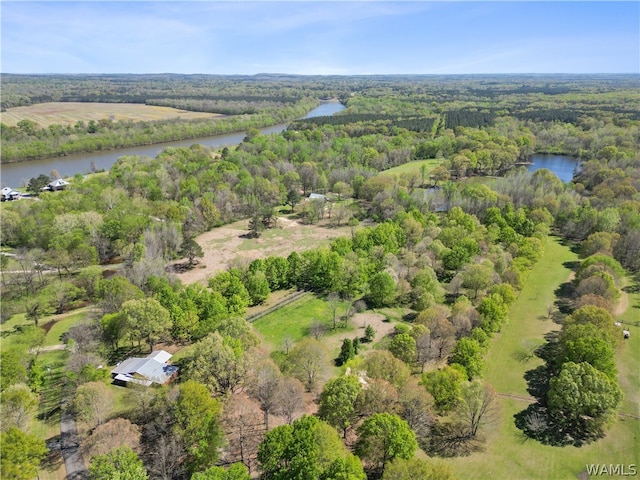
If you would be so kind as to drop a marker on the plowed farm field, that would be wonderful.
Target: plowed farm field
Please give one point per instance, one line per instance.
(68, 113)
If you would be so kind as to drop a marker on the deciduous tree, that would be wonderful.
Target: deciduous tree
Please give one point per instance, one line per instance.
(118, 432)
(384, 437)
(290, 398)
(92, 403)
(403, 347)
(20, 454)
(337, 402)
(119, 464)
(198, 425)
(18, 405)
(477, 406)
(306, 361)
(147, 319)
(468, 353)
(263, 385)
(584, 398)
(307, 449)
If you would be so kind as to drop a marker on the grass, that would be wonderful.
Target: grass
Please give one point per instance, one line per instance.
(307, 237)
(68, 113)
(62, 326)
(17, 320)
(509, 454)
(413, 167)
(294, 320)
(628, 356)
(528, 321)
(48, 423)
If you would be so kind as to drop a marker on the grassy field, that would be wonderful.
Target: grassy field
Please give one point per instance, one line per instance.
(528, 321)
(295, 320)
(509, 454)
(628, 358)
(413, 167)
(62, 326)
(68, 113)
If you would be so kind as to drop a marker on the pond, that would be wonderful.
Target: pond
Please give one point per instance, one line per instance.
(563, 166)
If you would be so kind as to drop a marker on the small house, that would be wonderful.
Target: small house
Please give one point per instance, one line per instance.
(9, 194)
(56, 185)
(318, 196)
(145, 371)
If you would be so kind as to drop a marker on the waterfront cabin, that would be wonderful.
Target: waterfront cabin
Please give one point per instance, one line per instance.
(56, 185)
(9, 194)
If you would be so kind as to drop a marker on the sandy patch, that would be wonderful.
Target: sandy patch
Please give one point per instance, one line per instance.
(226, 246)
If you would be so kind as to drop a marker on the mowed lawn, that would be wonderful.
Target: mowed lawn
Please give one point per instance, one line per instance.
(414, 167)
(511, 455)
(528, 322)
(68, 113)
(295, 320)
(628, 359)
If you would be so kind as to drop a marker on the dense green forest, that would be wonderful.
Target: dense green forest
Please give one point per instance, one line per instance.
(420, 104)
(442, 251)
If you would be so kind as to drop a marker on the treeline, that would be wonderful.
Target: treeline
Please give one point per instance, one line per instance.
(23, 90)
(586, 118)
(453, 258)
(28, 141)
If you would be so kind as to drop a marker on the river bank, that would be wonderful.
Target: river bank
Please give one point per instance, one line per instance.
(18, 174)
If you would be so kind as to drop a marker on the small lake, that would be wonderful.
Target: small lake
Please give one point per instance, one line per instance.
(563, 166)
(18, 174)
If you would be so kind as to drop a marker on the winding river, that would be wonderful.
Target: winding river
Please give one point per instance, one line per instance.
(18, 174)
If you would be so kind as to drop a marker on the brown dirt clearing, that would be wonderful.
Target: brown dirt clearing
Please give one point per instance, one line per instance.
(225, 246)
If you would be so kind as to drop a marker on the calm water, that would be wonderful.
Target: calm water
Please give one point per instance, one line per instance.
(18, 174)
(563, 166)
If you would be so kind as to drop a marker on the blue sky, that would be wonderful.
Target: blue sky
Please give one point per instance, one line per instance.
(330, 37)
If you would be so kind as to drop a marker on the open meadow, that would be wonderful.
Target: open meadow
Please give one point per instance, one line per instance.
(226, 245)
(509, 453)
(414, 167)
(68, 113)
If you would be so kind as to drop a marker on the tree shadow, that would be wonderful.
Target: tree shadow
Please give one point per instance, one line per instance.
(564, 294)
(540, 423)
(537, 381)
(535, 423)
(54, 460)
(453, 440)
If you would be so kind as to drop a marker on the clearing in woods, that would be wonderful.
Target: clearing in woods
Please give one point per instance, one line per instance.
(228, 245)
(68, 113)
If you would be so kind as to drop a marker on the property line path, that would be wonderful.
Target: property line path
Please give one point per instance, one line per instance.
(279, 304)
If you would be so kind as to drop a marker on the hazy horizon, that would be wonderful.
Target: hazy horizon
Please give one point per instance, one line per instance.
(320, 38)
